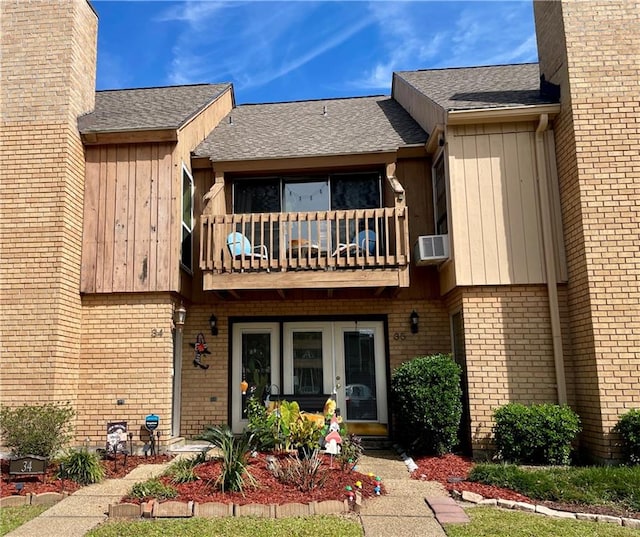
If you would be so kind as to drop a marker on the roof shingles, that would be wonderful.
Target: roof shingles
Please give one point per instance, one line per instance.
(302, 129)
(148, 108)
(470, 88)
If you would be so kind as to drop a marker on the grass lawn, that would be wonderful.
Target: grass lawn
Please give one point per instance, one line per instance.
(232, 527)
(12, 517)
(490, 522)
(615, 486)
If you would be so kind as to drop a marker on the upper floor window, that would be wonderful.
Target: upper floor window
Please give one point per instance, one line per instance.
(440, 196)
(186, 255)
(299, 193)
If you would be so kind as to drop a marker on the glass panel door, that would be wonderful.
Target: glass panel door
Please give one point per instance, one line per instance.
(256, 361)
(307, 360)
(360, 363)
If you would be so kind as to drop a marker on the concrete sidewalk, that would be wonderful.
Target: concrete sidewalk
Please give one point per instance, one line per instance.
(86, 508)
(403, 511)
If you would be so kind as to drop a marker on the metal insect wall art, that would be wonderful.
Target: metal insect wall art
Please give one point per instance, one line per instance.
(200, 347)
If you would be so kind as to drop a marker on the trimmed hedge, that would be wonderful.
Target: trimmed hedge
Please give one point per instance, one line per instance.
(628, 427)
(539, 434)
(426, 398)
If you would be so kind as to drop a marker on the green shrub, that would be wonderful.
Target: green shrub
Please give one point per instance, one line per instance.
(628, 427)
(427, 400)
(182, 470)
(350, 452)
(82, 467)
(235, 455)
(538, 434)
(36, 429)
(153, 488)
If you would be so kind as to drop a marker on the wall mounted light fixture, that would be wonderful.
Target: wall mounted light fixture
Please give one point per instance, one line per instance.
(213, 324)
(413, 318)
(180, 316)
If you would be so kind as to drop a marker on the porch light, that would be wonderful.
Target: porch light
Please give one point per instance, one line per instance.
(179, 316)
(413, 318)
(213, 323)
(244, 386)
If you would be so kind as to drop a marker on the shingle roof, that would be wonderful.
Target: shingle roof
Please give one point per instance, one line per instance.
(300, 129)
(479, 87)
(148, 108)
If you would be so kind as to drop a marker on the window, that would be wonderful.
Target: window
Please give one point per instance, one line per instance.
(187, 220)
(440, 196)
(335, 191)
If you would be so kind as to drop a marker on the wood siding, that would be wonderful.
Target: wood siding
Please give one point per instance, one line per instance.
(130, 210)
(494, 217)
(424, 111)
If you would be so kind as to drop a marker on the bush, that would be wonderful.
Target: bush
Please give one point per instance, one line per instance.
(182, 470)
(153, 488)
(427, 400)
(82, 467)
(37, 429)
(235, 454)
(628, 427)
(303, 473)
(350, 452)
(538, 434)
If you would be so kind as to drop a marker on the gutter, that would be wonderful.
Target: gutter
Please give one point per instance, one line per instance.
(550, 257)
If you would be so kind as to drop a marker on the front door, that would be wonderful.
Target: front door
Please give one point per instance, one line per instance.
(345, 359)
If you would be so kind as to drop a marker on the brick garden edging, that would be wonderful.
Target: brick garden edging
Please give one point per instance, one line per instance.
(478, 499)
(172, 509)
(45, 498)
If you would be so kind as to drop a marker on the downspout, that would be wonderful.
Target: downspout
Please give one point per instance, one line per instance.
(550, 258)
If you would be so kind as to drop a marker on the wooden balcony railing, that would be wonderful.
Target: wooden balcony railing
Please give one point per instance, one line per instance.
(323, 240)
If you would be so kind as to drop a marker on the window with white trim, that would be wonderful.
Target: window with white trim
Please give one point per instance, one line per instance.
(186, 252)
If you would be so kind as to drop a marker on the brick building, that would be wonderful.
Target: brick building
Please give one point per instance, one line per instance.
(500, 208)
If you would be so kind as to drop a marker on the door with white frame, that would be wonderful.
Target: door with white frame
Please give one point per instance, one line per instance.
(345, 358)
(342, 358)
(256, 360)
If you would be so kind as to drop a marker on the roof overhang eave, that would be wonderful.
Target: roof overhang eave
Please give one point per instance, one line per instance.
(504, 114)
(130, 136)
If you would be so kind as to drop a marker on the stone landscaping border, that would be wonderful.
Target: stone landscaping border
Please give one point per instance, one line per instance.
(45, 498)
(173, 509)
(478, 499)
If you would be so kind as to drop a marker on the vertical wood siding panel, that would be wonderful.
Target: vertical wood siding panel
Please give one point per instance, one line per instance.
(109, 220)
(458, 218)
(501, 208)
(121, 220)
(142, 218)
(153, 219)
(515, 222)
(164, 218)
(489, 215)
(474, 210)
(131, 219)
(530, 208)
(90, 227)
(175, 221)
(102, 199)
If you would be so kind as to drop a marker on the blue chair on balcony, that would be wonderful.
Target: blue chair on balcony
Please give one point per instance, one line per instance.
(239, 245)
(367, 241)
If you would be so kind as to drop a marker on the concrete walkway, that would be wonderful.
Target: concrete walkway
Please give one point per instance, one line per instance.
(403, 511)
(86, 508)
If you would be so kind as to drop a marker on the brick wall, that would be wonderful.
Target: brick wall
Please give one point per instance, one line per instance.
(598, 145)
(509, 351)
(48, 58)
(123, 358)
(198, 386)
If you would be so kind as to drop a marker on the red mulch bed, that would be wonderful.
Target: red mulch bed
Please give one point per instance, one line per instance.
(453, 470)
(50, 483)
(269, 490)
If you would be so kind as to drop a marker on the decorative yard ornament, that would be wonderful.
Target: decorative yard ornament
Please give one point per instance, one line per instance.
(244, 386)
(333, 440)
(200, 347)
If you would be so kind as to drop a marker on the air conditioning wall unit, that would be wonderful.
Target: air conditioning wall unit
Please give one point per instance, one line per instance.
(431, 249)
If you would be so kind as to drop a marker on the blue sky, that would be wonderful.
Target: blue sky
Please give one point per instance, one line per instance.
(282, 51)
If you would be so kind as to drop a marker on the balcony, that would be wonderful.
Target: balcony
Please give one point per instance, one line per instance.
(312, 250)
